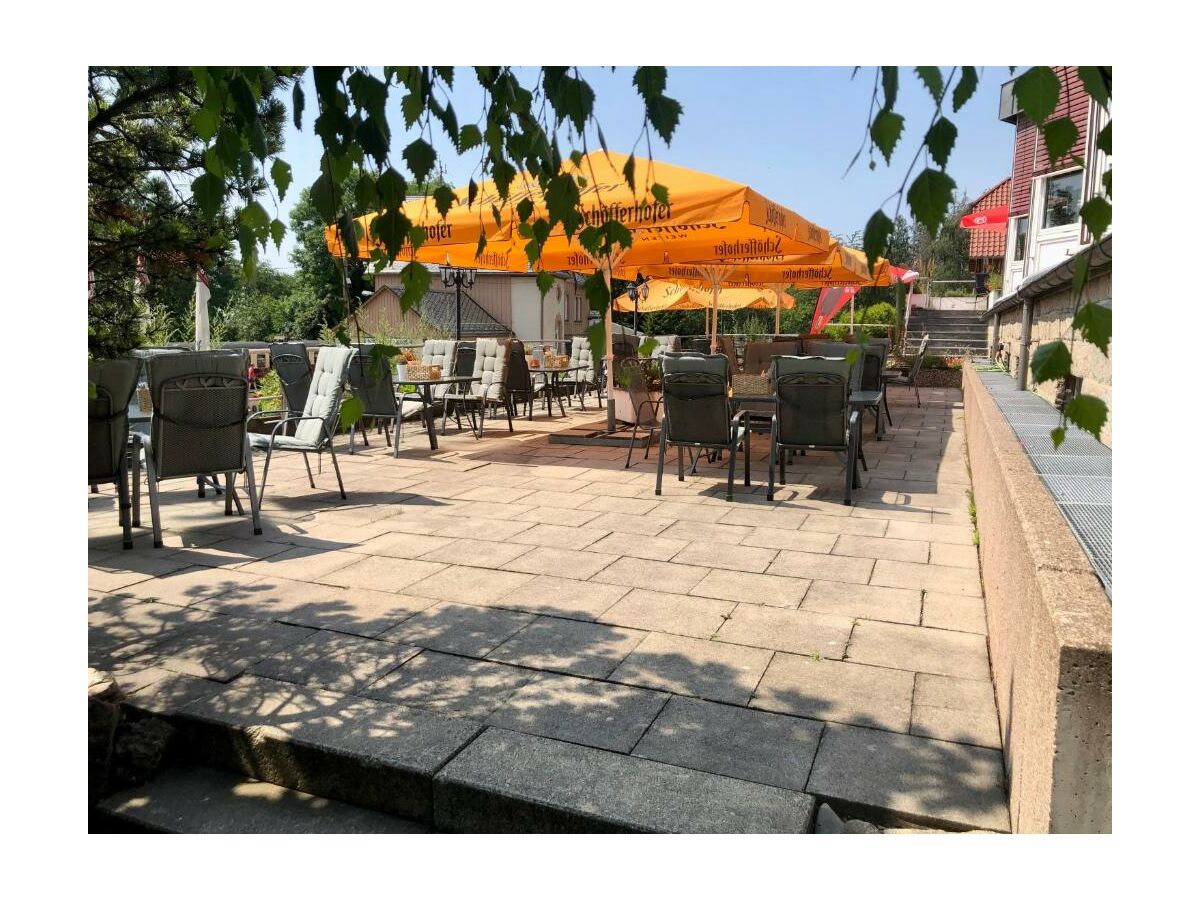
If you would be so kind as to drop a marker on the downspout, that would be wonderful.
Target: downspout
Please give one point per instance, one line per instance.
(1026, 335)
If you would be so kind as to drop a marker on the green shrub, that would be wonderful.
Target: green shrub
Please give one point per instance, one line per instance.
(269, 385)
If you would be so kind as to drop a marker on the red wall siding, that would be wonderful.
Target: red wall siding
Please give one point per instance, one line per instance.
(1029, 153)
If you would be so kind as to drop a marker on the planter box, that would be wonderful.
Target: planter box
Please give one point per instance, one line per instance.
(626, 405)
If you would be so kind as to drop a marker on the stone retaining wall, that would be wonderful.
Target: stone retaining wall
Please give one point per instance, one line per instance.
(1052, 315)
(1049, 635)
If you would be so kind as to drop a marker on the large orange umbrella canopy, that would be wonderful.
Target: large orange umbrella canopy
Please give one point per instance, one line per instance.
(840, 266)
(706, 218)
(668, 295)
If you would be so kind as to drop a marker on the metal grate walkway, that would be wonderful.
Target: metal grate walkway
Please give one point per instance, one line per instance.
(1078, 474)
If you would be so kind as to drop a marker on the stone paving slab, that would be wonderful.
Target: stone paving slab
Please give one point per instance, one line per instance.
(686, 531)
(200, 800)
(505, 781)
(769, 590)
(566, 645)
(790, 539)
(459, 628)
(881, 548)
(955, 709)
(564, 597)
(355, 610)
(222, 647)
(578, 564)
(923, 780)
(717, 555)
(659, 576)
(594, 713)
(450, 685)
(373, 754)
(698, 617)
(863, 601)
(942, 579)
(189, 586)
(916, 648)
(697, 668)
(120, 626)
(796, 563)
(834, 691)
(790, 630)
(469, 584)
(728, 740)
(955, 613)
(338, 662)
(640, 546)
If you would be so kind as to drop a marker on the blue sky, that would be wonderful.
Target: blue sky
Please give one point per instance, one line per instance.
(788, 132)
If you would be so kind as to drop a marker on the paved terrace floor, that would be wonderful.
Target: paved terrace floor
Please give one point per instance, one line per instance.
(545, 589)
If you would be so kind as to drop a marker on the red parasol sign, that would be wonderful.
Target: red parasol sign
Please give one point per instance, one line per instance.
(994, 219)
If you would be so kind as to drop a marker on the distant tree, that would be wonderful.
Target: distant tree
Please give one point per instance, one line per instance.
(146, 148)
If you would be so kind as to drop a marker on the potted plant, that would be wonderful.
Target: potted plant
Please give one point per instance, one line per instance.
(995, 285)
(636, 381)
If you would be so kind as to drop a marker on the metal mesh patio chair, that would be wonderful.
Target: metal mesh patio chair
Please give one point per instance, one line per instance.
(812, 412)
(725, 342)
(519, 382)
(697, 413)
(759, 354)
(583, 382)
(909, 378)
(290, 362)
(463, 364)
(314, 428)
(490, 371)
(371, 382)
(115, 381)
(199, 427)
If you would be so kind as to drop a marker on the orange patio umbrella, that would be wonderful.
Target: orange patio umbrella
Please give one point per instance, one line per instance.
(707, 219)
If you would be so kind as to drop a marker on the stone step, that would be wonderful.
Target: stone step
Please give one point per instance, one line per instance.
(365, 752)
(506, 781)
(451, 772)
(202, 800)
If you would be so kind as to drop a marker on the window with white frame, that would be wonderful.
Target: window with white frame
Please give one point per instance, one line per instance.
(1020, 237)
(1062, 197)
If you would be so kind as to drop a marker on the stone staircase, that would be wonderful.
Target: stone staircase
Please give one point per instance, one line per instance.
(951, 332)
(257, 755)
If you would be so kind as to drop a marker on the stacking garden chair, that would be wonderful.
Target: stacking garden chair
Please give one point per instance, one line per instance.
(730, 350)
(584, 381)
(697, 413)
(371, 382)
(759, 354)
(463, 364)
(199, 427)
(909, 378)
(812, 412)
(313, 429)
(290, 362)
(115, 381)
(519, 382)
(488, 389)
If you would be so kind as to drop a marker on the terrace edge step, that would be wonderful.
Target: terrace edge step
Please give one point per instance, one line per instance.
(456, 774)
(506, 781)
(203, 800)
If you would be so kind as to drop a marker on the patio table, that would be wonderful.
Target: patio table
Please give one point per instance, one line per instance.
(425, 388)
(551, 386)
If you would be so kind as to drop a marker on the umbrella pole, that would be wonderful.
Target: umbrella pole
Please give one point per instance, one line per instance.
(778, 307)
(606, 267)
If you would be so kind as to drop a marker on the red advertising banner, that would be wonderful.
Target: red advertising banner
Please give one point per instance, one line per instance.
(829, 304)
(994, 219)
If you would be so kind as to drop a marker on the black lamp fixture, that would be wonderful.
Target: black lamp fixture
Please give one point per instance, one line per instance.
(460, 278)
(637, 290)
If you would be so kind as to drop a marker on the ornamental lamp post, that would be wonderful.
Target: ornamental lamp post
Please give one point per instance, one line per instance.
(637, 290)
(452, 275)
